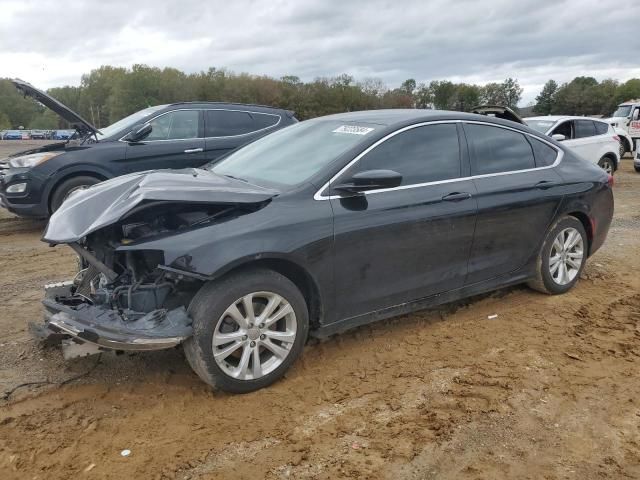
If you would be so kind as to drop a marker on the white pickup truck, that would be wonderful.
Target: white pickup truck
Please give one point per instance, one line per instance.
(626, 123)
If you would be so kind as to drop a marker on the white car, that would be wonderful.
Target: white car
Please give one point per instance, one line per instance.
(590, 138)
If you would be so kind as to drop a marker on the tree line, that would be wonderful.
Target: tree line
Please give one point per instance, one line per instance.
(585, 96)
(108, 94)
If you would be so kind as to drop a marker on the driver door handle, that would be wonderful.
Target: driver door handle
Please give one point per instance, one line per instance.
(456, 197)
(194, 150)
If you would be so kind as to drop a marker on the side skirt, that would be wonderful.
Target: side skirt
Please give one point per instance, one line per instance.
(496, 283)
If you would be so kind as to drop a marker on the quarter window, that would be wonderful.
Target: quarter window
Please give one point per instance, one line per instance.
(178, 125)
(584, 128)
(544, 154)
(498, 150)
(422, 154)
(601, 128)
(226, 123)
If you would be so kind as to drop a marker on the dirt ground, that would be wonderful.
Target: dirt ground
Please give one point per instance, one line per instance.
(547, 389)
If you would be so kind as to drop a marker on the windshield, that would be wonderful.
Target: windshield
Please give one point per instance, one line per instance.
(131, 120)
(622, 111)
(294, 154)
(541, 126)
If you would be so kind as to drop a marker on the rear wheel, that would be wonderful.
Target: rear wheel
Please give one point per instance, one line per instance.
(607, 165)
(562, 257)
(623, 148)
(69, 186)
(248, 329)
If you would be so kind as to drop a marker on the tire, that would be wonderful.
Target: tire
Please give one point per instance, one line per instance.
(623, 148)
(607, 165)
(63, 190)
(211, 321)
(548, 280)
(637, 169)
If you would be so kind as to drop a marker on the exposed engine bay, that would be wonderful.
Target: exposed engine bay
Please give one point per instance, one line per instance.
(129, 300)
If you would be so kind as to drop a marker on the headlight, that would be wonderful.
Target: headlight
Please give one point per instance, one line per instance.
(30, 161)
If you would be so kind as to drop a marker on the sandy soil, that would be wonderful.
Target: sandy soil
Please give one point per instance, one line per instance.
(548, 389)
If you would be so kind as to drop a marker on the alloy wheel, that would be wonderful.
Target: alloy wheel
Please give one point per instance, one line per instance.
(566, 256)
(254, 335)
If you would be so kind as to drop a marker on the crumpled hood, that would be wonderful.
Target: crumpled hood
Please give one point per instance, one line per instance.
(103, 204)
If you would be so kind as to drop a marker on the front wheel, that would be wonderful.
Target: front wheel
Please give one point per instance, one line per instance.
(623, 148)
(66, 188)
(248, 329)
(562, 257)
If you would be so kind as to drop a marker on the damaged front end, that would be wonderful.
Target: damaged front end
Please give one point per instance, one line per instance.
(126, 298)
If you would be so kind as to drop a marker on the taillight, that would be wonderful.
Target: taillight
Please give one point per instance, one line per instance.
(610, 181)
(616, 138)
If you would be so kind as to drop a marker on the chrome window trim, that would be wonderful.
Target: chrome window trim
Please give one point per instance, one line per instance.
(121, 139)
(242, 111)
(318, 195)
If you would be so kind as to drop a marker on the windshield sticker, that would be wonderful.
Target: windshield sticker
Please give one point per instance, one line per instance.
(353, 129)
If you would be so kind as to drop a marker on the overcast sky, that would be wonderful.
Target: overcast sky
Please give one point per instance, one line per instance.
(52, 43)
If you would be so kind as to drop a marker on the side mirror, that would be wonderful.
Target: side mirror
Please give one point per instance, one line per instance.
(140, 133)
(371, 180)
(558, 137)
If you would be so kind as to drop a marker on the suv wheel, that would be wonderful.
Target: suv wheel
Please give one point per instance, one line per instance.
(607, 165)
(69, 186)
(561, 258)
(248, 329)
(623, 148)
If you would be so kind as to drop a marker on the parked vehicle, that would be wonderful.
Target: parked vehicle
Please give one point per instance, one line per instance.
(590, 138)
(38, 135)
(626, 122)
(325, 225)
(63, 134)
(35, 182)
(12, 135)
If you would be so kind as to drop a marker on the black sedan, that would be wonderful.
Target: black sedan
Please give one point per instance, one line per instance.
(320, 227)
(180, 135)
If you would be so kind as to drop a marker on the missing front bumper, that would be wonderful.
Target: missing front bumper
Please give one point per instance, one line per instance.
(109, 329)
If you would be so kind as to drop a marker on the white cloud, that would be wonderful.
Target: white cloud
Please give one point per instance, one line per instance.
(51, 43)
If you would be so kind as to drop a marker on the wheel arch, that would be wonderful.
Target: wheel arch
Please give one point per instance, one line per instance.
(296, 273)
(586, 223)
(69, 175)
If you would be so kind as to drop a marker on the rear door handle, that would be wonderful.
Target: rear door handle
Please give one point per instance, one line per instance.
(194, 150)
(456, 197)
(544, 184)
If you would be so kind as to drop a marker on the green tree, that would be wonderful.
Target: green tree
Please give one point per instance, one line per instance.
(4, 121)
(545, 99)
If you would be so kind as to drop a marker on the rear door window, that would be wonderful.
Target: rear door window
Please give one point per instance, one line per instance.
(422, 154)
(229, 123)
(497, 150)
(584, 128)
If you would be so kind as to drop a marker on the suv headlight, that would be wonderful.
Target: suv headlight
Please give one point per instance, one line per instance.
(30, 161)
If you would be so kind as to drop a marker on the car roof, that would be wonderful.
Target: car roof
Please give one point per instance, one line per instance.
(557, 118)
(389, 117)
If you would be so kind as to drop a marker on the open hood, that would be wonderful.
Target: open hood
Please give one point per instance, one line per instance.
(498, 111)
(86, 211)
(80, 124)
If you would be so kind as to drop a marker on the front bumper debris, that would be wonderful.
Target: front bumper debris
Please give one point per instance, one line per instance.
(109, 329)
